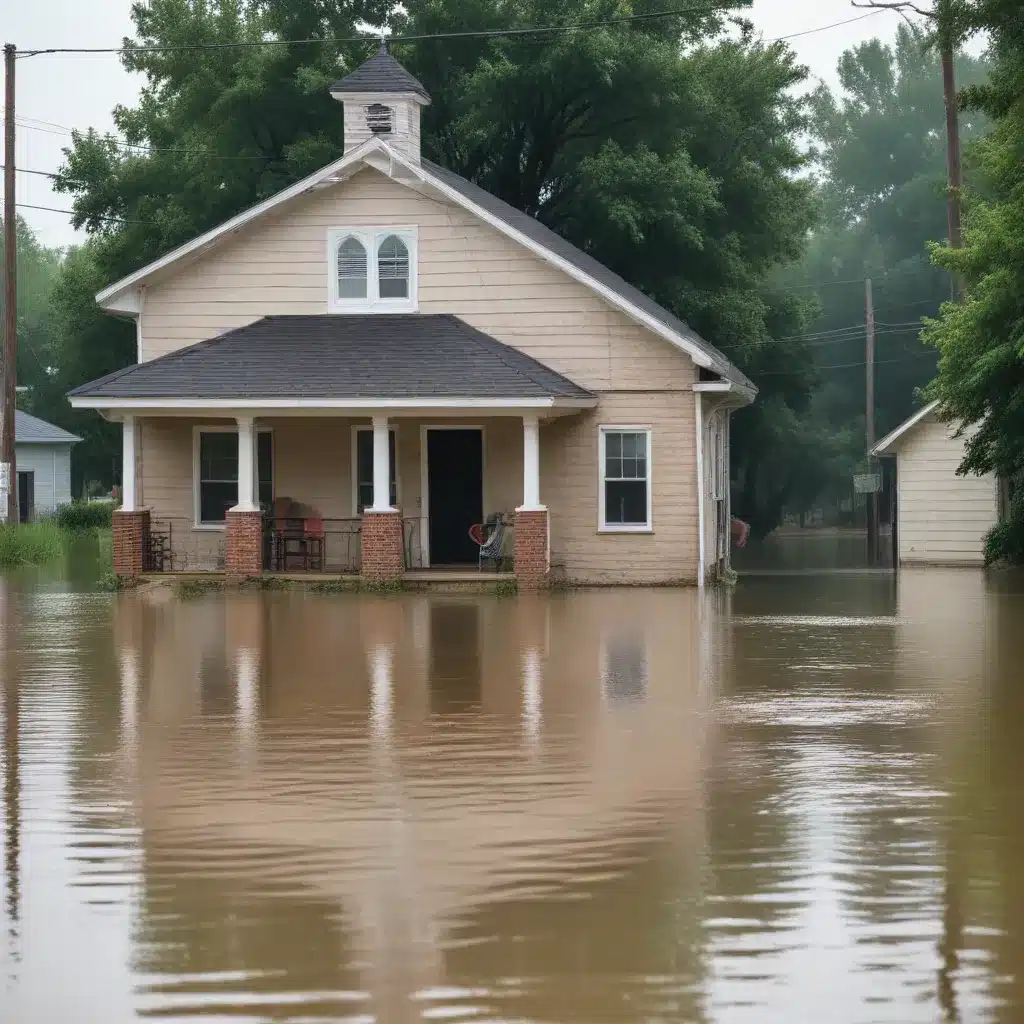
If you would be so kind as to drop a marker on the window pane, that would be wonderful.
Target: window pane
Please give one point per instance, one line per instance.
(625, 502)
(215, 499)
(351, 269)
(629, 446)
(613, 468)
(613, 445)
(218, 456)
(364, 468)
(393, 268)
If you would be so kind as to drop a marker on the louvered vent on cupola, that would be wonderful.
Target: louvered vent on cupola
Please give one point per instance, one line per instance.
(382, 100)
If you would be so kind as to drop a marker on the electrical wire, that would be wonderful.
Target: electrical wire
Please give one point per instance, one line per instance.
(26, 170)
(468, 34)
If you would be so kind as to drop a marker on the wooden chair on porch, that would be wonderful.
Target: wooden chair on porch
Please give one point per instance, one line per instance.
(299, 535)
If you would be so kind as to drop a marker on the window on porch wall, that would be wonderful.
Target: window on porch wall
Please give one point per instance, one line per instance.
(364, 469)
(218, 472)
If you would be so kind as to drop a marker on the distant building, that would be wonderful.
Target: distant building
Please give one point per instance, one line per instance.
(43, 455)
(941, 518)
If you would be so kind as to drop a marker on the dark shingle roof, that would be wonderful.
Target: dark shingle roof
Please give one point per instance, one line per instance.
(383, 355)
(381, 73)
(533, 229)
(32, 430)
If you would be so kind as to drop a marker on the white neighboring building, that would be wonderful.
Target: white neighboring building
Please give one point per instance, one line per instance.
(43, 456)
(942, 518)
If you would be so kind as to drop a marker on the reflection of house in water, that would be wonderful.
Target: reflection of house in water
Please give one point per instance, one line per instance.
(421, 773)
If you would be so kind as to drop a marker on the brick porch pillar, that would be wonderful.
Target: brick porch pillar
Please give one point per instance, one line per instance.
(244, 557)
(131, 538)
(382, 549)
(532, 564)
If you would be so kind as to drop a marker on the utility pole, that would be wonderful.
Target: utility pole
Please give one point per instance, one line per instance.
(8, 467)
(869, 416)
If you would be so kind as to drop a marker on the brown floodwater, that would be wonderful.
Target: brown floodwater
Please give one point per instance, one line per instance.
(802, 800)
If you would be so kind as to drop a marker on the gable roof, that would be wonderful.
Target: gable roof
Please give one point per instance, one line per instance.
(32, 430)
(382, 355)
(517, 225)
(887, 445)
(381, 74)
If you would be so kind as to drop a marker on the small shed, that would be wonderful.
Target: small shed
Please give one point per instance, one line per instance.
(43, 455)
(941, 518)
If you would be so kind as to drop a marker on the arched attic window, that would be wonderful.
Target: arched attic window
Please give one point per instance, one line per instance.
(352, 269)
(379, 119)
(393, 268)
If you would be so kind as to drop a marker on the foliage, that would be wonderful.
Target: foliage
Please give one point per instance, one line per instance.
(1005, 542)
(30, 544)
(78, 516)
(189, 589)
(880, 144)
(664, 149)
(981, 341)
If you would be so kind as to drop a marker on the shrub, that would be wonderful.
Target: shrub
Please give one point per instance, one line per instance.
(1005, 542)
(77, 516)
(30, 544)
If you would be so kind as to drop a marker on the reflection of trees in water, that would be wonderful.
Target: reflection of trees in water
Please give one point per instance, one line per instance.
(622, 947)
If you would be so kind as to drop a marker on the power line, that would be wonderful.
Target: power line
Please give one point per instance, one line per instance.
(364, 38)
(843, 366)
(469, 34)
(71, 213)
(26, 170)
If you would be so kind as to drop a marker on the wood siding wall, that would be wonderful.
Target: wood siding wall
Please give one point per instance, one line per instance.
(51, 466)
(943, 518)
(467, 268)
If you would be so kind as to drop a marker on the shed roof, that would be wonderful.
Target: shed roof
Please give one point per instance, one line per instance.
(889, 443)
(388, 356)
(32, 430)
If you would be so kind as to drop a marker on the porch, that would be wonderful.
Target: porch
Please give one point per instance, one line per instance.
(384, 497)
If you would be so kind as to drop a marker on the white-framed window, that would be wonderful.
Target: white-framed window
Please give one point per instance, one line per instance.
(624, 497)
(371, 270)
(362, 468)
(215, 472)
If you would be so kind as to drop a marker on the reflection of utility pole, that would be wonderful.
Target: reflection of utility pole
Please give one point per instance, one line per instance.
(12, 770)
(869, 417)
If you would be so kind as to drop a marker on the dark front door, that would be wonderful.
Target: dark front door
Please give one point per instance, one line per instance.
(455, 475)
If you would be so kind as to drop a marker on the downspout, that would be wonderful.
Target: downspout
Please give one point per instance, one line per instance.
(700, 488)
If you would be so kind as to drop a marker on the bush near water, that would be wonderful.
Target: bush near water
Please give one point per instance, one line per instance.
(77, 516)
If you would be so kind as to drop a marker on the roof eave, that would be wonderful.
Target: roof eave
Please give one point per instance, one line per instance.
(886, 445)
(329, 406)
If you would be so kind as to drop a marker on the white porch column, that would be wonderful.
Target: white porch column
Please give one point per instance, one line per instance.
(531, 466)
(248, 497)
(381, 466)
(128, 500)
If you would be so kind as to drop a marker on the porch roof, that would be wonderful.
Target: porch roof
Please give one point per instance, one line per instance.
(338, 357)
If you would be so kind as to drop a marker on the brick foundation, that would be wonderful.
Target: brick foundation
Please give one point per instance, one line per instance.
(532, 564)
(383, 556)
(244, 556)
(131, 540)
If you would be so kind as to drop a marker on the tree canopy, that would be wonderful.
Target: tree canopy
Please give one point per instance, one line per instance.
(666, 148)
(980, 382)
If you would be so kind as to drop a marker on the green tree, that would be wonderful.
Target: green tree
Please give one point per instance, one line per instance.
(880, 146)
(663, 148)
(981, 341)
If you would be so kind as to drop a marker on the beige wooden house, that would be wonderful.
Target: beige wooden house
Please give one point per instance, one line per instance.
(386, 354)
(941, 518)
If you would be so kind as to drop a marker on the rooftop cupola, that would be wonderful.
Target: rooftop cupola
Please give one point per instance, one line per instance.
(381, 98)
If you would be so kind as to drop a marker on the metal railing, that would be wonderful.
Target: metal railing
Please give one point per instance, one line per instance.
(175, 545)
(322, 545)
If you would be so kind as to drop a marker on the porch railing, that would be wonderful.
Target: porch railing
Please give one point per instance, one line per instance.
(322, 545)
(174, 545)
(412, 546)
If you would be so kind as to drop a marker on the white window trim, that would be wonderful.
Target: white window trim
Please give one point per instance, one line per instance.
(602, 526)
(221, 428)
(354, 461)
(371, 237)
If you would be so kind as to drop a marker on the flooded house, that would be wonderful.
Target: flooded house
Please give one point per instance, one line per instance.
(941, 518)
(384, 368)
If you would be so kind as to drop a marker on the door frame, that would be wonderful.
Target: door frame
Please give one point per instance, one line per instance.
(425, 429)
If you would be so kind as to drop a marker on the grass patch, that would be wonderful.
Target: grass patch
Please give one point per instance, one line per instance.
(30, 544)
(189, 589)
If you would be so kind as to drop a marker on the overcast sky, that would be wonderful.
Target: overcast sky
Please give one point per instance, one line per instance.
(57, 92)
